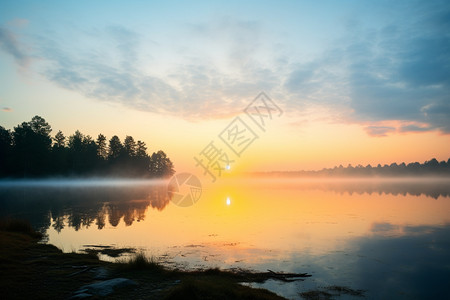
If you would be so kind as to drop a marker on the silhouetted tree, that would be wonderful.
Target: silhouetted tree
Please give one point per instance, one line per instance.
(5, 151)
(59, 155)
(40, 126)
(129, 146)
(29, 150)
(32, 143)
(76, 141)
(432, 167)
(115, 148)
(141, 149)
(101, 146)
(90, 154)
(161, 165)
(59, 139)
(75, 151)
(82, 153)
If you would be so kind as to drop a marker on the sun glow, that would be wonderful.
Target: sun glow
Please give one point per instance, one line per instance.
(228, 201)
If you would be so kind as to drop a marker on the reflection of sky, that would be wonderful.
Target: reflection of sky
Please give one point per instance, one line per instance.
(393, 243)
(415, 265)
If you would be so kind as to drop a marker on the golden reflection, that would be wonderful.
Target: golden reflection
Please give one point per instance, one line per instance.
(267, 219)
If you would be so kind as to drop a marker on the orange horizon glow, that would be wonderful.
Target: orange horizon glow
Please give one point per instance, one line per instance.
(283, 147)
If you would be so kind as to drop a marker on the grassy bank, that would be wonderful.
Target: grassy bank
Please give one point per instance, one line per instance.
(30, 270)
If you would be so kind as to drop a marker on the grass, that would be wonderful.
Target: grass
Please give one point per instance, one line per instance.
(216, 287)
(140, 262)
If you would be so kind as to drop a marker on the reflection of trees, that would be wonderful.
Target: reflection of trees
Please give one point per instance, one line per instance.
(100, 220)
(415, 187)
(432, 189)
(58, 223)
(82, 207)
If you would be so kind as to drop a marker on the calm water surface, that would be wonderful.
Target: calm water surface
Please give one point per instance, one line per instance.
(389, 237)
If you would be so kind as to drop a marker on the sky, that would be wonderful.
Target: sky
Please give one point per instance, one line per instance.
(353, 82)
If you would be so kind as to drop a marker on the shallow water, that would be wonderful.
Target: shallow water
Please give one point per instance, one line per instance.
(389, 237)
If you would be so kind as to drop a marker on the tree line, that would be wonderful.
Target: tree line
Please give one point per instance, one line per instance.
(431, 167)
(30, 151)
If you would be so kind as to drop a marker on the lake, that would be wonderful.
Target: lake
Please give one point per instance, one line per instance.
(388, 237)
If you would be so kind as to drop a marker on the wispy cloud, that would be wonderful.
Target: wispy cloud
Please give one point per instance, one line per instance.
(403, 74)
(7, 109)
(19, 22)
(397, 72)
(379, 130)
(192, 90)
(10, 45)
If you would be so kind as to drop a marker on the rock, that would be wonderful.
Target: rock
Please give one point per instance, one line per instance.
(81, 296)
(104, 288)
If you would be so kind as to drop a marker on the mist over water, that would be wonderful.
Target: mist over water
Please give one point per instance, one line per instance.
(387, 236)
(79, 182)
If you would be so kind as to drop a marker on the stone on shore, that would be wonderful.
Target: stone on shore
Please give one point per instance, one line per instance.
(103, 288)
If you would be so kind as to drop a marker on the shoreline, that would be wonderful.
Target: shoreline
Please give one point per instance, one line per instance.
(41, 271)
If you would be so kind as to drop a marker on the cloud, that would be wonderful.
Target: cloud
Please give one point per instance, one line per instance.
(379, 130)
(7, 109)
(238, 40)
(404, 74)
(19, 22)
(301, 79)
(10, 44)
(197, 90)
(398, 72)
(413, 128)
(392, 77)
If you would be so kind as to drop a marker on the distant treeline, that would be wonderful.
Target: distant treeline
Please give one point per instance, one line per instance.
(429, 168)
(30, 151)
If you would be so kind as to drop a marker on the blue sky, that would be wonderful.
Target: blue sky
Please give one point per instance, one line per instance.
(381, 65)
(368, 62)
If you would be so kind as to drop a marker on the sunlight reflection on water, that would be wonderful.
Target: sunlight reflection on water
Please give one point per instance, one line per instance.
(380, 235)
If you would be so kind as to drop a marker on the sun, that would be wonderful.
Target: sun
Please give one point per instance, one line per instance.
(228, 201)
